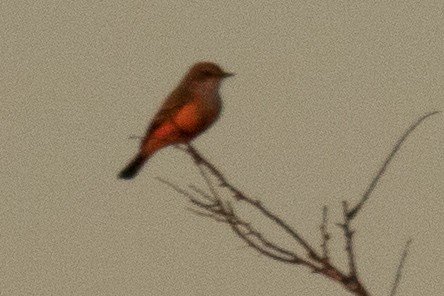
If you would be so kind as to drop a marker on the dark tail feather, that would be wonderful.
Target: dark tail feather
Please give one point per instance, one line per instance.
(131, 170)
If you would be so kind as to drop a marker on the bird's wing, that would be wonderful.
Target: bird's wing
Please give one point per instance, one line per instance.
(168, 109)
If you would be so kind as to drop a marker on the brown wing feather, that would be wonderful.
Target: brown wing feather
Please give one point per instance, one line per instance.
(169, 108)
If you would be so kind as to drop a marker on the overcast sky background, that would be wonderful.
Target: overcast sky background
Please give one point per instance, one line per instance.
(323, 90)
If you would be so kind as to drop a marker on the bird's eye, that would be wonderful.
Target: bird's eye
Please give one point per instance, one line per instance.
(207, 73)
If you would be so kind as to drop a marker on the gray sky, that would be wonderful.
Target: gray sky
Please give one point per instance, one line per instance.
(322, 93)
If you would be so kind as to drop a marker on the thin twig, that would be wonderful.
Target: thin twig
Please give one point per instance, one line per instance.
(348, 233)
(219, 210)
(263, 250)
(325, 235)
(223, 211)
(208, 182)
(199, 160)
(192, 199)
(215, 217)
(243, 229)
(399, 269)
(352, 213)
(202, 193)
(175, 187)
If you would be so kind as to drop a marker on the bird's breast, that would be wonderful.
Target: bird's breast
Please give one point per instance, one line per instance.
(198, 114)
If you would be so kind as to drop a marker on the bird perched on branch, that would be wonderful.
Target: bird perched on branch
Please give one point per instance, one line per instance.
(192, 107)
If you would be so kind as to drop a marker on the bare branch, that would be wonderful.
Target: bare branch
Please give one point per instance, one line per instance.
(211, 204)
(208, 182)
(200, 160)
(202, 193)
(384, 166)
(399, 269)
(175, 187)
(258, 242)
(195, 201)
(325, 235)
(246, 232)
(348, 233)
(217, 218)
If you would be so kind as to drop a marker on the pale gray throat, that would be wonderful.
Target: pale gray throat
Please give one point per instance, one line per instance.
(209, 90)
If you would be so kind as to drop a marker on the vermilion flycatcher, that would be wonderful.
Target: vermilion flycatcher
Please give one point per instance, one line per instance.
(188, 111)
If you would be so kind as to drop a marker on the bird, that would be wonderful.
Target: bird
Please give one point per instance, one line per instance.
(189, 110)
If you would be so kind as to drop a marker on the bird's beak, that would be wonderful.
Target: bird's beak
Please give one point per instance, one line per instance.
(227, 74)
